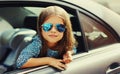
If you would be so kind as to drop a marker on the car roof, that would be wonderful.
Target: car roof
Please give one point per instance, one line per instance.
(100, 11)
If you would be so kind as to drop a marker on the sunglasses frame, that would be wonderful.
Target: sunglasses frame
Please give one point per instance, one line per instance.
(48, 26)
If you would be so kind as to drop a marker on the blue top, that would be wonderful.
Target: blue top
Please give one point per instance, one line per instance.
(33, 50)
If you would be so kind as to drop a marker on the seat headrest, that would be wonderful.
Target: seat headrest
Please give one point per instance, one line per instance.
(4, 25)
(23, 34)
(6, 36)
(12, 38)
(30, 22)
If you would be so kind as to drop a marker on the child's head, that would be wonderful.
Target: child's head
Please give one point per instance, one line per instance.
(56, 15)
(53, 30)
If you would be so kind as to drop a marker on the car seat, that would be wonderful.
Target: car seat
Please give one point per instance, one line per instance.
(30, 22)
(13, 41)
(4, 26)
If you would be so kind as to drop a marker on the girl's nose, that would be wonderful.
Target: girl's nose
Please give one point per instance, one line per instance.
(53, 29)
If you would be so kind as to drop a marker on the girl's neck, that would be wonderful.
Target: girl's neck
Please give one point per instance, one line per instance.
(51, 45)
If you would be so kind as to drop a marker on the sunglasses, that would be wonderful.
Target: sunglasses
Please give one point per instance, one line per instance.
(48, 26)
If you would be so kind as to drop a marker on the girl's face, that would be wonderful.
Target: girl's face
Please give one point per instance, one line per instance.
(52, 36)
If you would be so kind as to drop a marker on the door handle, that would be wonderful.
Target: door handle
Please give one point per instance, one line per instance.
(114, 68)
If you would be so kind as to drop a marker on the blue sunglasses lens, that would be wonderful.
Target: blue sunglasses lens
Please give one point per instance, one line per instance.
(60, 27)
(48, 26)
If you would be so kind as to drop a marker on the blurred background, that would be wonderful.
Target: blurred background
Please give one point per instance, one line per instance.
(111, 4)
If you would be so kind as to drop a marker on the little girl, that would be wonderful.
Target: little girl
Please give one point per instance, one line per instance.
(54, 44)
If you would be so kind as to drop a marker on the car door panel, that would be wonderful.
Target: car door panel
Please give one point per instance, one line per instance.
(98, 61)
(95, 62)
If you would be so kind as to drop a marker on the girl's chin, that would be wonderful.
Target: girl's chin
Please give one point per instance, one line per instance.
(52, 41)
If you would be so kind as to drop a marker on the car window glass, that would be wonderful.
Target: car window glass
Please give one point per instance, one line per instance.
(35, 10)
(96, 35)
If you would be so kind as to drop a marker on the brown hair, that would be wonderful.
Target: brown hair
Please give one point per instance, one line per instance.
(68, 40)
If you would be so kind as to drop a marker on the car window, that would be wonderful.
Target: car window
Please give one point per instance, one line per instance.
(35, 10)
(96, 35)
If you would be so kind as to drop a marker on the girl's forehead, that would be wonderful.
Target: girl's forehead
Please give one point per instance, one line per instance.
(54, 15)
(54, 19)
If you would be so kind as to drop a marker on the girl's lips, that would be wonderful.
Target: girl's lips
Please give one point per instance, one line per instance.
(53, 35)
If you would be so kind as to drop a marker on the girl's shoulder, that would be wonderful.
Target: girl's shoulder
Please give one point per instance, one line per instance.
(37, 38)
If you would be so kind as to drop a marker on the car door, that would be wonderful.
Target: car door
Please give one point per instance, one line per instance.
(99, 61)
(101, 46)
(103, 56)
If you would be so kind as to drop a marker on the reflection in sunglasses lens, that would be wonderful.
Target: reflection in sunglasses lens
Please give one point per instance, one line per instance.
(48, 26)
